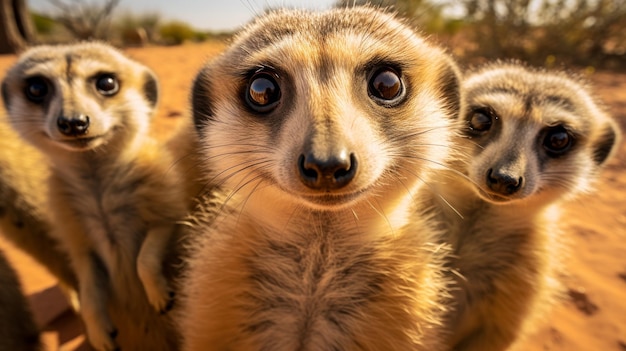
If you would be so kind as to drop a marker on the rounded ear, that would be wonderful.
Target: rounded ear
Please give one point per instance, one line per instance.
(607, 142)
(151, 87)
(451, 89)
(201, 100)
(5, 94)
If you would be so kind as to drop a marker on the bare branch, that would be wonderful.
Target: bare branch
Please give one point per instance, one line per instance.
(85, 20)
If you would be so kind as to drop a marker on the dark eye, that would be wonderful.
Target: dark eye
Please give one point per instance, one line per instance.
(557, 141)
(263, 92)
(385, 84)
(480, 121)
(36, 89)
(107, 84)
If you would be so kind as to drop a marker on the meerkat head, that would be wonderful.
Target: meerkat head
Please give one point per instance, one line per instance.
(326, 108)
(533, 133)
(78, 97)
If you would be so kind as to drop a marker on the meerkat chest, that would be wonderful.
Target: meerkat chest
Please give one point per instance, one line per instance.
(318, 289)
(108, 203)
(492, 244)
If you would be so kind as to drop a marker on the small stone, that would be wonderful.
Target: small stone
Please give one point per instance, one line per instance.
(580, 298)
(173, 114)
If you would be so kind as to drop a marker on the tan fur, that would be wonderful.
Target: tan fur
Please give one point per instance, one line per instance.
(114, 191)
(280, 264)
(18, 330)
(507, 248)
(24, 214)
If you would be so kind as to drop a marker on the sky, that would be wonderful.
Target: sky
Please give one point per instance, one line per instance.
(214, 15)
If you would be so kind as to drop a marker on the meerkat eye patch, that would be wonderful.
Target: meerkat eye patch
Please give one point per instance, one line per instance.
(385, 86)
(481, 120)
(557, 141)
(37, 88)
(263, 91)
(107, 84)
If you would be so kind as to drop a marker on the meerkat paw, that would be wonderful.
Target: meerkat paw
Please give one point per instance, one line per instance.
(161, 298)
(159, 294)
(72, 297)
(101, 334)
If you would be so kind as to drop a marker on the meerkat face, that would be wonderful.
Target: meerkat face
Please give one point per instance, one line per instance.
(77, 97)
(326, 108)
(533, 133)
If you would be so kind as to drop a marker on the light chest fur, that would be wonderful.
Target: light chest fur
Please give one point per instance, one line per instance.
(319, 282)
(507, 260)
(116, 199)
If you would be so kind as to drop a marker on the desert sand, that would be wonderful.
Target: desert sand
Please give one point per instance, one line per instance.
(593, 317)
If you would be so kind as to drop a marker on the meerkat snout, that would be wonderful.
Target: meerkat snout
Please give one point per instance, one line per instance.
(504, 181)
(327, 173)
(74, 125)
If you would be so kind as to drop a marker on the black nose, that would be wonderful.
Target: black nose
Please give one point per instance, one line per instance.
(503, 183)
(73, 126)
(327, 174)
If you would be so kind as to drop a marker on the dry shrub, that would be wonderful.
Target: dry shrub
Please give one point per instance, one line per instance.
(579, 32)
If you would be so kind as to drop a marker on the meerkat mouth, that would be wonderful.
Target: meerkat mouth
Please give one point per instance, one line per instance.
(80, 144)
(497, 198)
(331, 200)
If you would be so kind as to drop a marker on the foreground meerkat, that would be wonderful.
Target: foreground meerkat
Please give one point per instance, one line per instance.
(18, 330)
(115, 193)
(321, 129)
(24, 214)
(534, 139)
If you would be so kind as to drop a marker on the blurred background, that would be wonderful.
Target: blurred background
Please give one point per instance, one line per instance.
(586, 33)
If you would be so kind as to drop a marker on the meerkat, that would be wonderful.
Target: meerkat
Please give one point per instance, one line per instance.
(320, 129)
(24, 216)
(18, 330)
(533, 139)
(114, 191)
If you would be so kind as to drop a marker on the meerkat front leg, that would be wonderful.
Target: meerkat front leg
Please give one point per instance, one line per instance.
(150, 267)
(92, 280)
(93, 298)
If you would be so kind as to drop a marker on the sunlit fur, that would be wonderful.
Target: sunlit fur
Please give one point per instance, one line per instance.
(24, 213)
(18, 330)
(286, 267)
(115, 195)
(508, 248)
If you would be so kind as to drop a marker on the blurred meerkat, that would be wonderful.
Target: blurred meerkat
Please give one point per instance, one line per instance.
(18, 330)
(321, 129)
(24, 214)
(115, 193)
(533, 139)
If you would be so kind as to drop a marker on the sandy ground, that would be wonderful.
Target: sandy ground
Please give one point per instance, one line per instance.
(594, 316)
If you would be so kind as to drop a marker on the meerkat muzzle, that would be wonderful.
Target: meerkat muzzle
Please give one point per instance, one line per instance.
(333, 172)
(502, 182)
(73, 126)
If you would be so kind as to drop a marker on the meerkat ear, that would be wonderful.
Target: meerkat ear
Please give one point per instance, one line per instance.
(201, 102)
(606, 143)
(151, 87)
(451, 89)
(5, 94)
